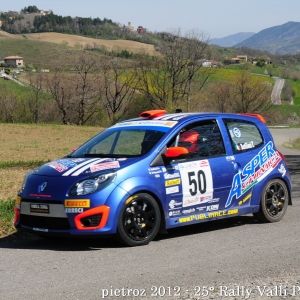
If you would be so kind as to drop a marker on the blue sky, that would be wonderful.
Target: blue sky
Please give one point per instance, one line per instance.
(215, 18)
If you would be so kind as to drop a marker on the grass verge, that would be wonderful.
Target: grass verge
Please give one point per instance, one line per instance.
(7, 215)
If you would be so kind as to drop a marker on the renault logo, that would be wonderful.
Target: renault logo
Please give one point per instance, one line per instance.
(42, 187)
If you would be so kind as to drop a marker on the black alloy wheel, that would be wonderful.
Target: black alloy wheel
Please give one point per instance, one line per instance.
(274, 201)
(139, 220)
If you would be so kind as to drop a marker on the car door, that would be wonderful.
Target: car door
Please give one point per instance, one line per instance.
(200, 183)
(254, 160)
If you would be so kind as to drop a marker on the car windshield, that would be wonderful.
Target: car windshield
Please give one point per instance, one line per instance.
(120, 142)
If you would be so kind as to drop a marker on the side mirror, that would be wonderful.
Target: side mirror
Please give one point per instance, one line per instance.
(176, 152)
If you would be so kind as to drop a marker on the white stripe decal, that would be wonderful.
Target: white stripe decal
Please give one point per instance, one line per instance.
(87, 166)
(79, 166)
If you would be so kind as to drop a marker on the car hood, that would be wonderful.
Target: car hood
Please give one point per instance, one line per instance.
(82, 166)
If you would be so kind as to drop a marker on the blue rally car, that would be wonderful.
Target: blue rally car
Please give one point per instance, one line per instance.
(156, 172)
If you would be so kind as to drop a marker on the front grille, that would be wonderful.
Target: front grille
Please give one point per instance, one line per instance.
(91, 221)
(45, 222)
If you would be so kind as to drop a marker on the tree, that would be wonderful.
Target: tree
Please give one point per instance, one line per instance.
(220, 97)
(35, 102)
(246, 93)
(168, 80)
(288, 92)
(249, 94)
(85, 85)
(61, 89)
(119, 86)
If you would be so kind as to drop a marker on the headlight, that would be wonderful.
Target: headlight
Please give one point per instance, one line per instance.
(92, 184)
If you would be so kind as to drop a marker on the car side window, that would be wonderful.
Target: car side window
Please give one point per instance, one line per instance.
(243, 135)
(202, 139)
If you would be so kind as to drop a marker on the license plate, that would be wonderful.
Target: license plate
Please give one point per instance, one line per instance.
(39, 208)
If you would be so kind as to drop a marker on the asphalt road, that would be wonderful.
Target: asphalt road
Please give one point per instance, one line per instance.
(212, 260)
(276, 92)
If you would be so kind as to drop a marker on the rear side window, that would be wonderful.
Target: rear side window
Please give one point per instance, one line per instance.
(243, 135)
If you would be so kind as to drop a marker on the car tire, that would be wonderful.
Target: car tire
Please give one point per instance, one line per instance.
(139, 220)
(273, 202)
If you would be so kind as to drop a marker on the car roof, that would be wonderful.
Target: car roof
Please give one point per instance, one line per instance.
(183, 117)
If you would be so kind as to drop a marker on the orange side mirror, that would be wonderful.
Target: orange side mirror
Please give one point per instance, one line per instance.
(175, 152)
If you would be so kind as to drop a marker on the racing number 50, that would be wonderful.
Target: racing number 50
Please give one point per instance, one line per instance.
(197, 183)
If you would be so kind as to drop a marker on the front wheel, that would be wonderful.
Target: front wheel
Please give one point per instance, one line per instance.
(139, 220)
(274, 201)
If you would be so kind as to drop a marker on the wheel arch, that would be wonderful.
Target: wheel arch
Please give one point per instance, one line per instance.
(265, 182)
(159, 203)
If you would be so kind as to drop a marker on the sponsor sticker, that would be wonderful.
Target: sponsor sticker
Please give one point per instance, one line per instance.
(174, 213)
(172, 190)
(174, 204)
(282, 170)
(170, 176)
(62, 165)
(245, 146)
(208, 215)
(147, 123)
(74, 210)
(172, 182)
(236, 132)
(212, 207)
(105, 166)
(77, 203)
(254, 171)
(188, 211)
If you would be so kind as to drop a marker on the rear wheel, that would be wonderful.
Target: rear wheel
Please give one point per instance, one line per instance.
(274, 201)
(139, 220)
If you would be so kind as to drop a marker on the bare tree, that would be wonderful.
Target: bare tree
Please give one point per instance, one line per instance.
(119, 87)
(61, 89)
(249, 94)
(169, 79)
(288, 92)
(220, 97)
(35, 102)
(86, 92)
(245, 93)
(9, 107)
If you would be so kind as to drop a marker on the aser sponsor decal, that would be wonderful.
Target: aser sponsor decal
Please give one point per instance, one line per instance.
(256, 170)
(105, 166)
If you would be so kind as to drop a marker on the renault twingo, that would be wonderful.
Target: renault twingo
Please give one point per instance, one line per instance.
(157, 172)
